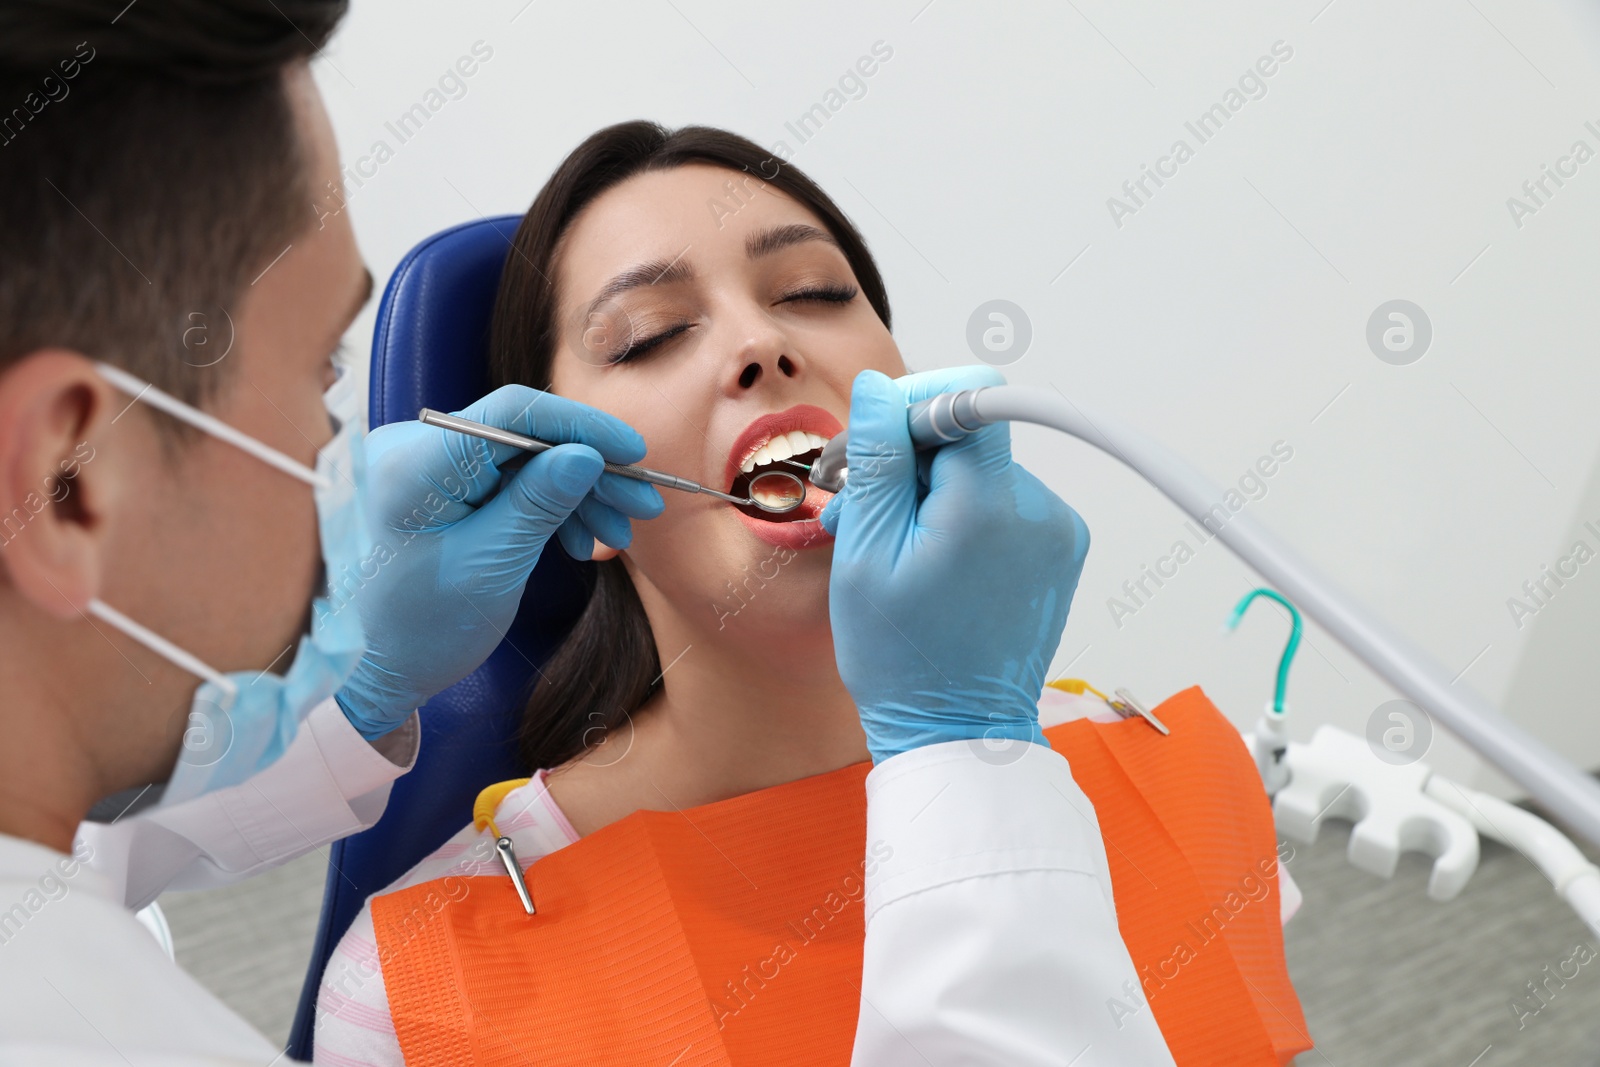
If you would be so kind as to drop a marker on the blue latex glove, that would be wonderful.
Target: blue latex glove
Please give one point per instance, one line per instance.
(454, 547)
(947, 600)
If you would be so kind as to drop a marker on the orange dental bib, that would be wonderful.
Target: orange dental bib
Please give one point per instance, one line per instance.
(732, 933)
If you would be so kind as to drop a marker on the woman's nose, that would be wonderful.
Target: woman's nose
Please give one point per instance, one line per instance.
(755, 368)
(765, 353)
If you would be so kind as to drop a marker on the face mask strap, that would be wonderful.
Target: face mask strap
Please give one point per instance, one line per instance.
(142, 390)
(164, 648)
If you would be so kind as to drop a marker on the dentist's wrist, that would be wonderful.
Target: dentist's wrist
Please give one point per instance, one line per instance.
(897, 729)
(369, 721)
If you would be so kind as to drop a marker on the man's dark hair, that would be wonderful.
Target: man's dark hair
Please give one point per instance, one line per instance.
(150, 168)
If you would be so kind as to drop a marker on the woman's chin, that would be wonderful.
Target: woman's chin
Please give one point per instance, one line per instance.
(780, 596)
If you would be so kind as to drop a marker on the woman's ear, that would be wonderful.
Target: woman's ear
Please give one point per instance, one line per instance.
(603, 552)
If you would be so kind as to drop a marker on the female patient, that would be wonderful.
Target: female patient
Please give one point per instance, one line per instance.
(720, 303)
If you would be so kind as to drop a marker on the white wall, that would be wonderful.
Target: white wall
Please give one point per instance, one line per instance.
(1228, 313)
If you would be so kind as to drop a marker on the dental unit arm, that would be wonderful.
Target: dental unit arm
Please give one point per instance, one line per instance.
(1567, 793)
(1396, 808)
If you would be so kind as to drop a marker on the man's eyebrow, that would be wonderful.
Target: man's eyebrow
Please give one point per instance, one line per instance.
(656, 272)
(766, 242)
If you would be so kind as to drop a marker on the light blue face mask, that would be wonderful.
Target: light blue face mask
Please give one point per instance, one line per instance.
(239, 723)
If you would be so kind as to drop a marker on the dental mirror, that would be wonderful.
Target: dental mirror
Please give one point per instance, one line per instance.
(777, 492)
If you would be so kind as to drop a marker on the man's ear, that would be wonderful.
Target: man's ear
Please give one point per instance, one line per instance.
(54, 411)
(604, 551)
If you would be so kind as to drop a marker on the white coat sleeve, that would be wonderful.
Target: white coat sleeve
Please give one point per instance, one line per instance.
(329, 783)
(991, 929)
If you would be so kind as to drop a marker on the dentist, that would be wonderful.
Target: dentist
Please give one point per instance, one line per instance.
(217, 624)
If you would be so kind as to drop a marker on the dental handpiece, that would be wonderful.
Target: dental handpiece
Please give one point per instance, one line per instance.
(783, 491)
(935, 421)
(1571, 794)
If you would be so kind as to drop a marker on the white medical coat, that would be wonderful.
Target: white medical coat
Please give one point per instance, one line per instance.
(991, 931)
(81, 981)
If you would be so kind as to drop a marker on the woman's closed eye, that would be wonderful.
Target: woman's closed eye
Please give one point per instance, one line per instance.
(826, 293)
(829, 293)
(639, 346)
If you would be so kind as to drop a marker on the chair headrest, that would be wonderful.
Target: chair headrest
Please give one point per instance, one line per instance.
(430, 348)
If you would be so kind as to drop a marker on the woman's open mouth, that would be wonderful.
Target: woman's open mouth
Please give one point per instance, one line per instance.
(815, 500)
(788, 442)
(792, 530)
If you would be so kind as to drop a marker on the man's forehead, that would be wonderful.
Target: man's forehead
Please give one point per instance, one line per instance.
(319, 147)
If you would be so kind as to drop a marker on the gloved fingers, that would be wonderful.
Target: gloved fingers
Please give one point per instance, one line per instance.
(987, 450)
(470, 471)
(924, 384)
(412, 466)
(604, 522)
(1080, 543)
(983, 451)
(1040, 503)
(881, 491)
(915, 387)
(550, 417)
(974, 460)
(969, 478)
(968, 473)
(636, 499)
(538, 501)
(831, 512)
(576, 538)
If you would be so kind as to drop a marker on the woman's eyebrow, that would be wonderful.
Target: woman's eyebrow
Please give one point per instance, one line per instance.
(765, 242)
(656, 272)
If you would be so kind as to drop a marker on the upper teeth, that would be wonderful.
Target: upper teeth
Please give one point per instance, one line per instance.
(782, 446)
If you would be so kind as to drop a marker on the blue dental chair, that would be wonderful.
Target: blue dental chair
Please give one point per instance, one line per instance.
(430, 349)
